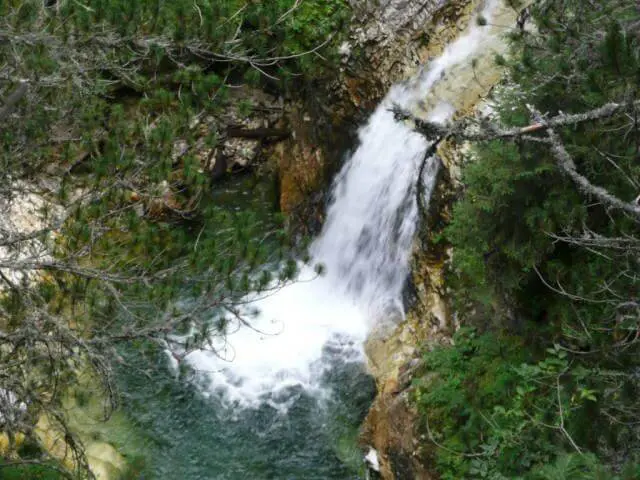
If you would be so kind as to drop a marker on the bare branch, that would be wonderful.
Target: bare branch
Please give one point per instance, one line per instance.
(567, 165)
(464, 130)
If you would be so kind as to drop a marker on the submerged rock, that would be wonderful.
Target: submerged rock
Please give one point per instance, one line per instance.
(371, 460)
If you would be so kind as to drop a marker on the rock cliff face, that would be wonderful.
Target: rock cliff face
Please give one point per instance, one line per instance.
(391, 39)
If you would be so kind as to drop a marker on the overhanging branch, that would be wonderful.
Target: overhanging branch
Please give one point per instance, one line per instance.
(464, 130)
(568, 166)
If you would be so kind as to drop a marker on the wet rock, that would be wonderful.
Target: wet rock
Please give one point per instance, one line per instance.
(391, 427)
(393, 38)
(301, 163)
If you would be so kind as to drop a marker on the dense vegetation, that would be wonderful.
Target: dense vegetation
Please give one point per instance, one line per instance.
(95, 96)
(542, 380)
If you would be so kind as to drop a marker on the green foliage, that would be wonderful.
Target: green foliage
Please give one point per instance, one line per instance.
(544, 387)
(312, 25)
(177, 56)
(517, 207)
(31, 472)
(572, 466)
(582, 467)
(146, 247)
(513, 199)
(515, 195)
(273, 34)
(476, 405)
(464, 384)
(493, 411)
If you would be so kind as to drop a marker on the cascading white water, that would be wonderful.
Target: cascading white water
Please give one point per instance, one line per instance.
(365, 246)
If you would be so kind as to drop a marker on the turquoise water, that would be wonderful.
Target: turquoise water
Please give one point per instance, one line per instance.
(183, 434)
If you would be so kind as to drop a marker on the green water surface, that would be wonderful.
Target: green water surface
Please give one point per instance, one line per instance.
(182, 434)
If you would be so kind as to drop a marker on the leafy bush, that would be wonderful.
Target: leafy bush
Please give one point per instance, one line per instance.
(493, 411)
(542, 381)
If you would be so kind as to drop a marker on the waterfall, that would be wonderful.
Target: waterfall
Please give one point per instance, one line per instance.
(365, 246)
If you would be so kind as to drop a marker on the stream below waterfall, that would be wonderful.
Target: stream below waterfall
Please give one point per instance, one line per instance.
(288, 400)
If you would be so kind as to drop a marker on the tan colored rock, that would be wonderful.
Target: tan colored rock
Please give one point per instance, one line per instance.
(105, 461)
(391, 423)
(5, 442)
(53, 442)
(393, 38)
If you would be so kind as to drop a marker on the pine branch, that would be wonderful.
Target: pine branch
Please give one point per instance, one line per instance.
(568, 166)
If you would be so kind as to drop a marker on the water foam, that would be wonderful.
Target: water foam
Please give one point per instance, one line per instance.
(365, 246)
